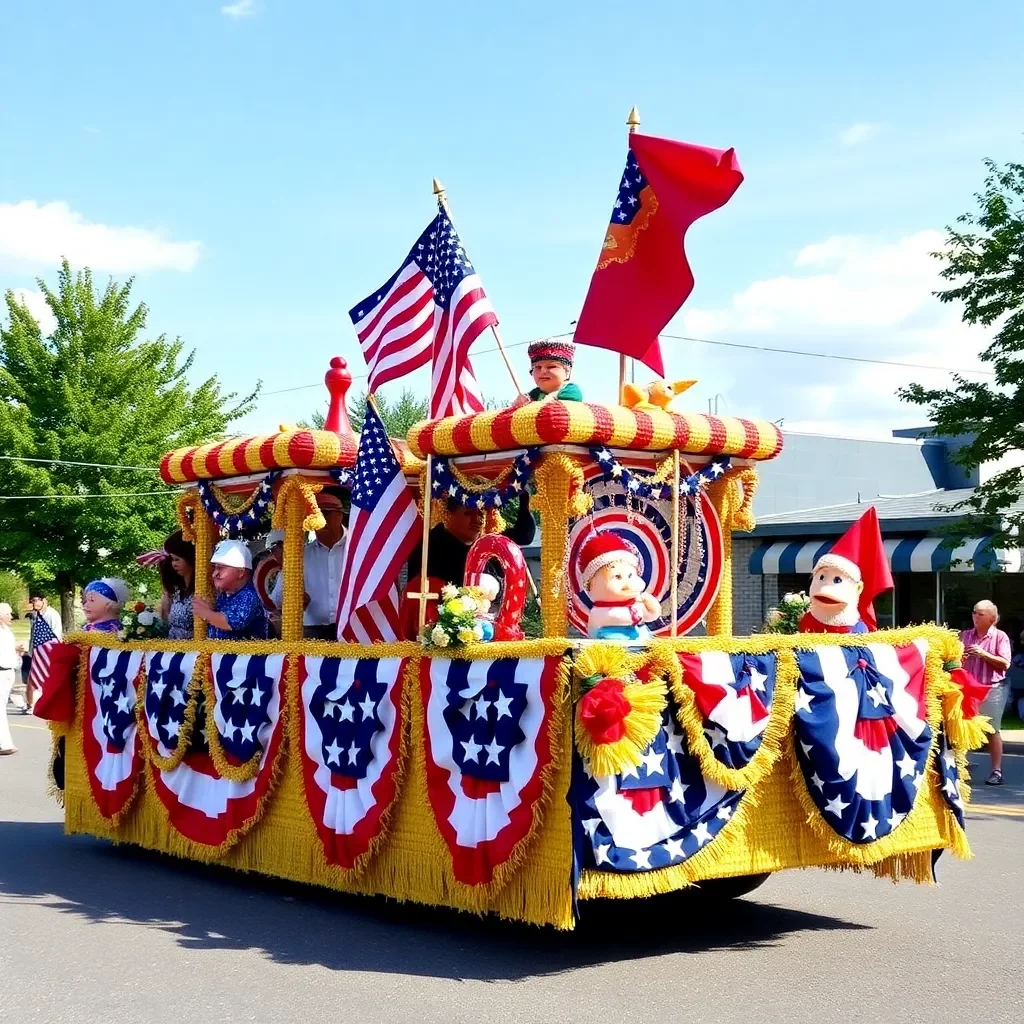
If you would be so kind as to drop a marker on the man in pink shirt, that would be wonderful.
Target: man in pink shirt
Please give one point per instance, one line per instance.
(988, 655)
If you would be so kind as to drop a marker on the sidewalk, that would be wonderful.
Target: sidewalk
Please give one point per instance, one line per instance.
(1013, 741)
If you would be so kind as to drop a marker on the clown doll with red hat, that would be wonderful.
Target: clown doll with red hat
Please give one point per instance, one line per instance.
(847, 580)
(610, 574)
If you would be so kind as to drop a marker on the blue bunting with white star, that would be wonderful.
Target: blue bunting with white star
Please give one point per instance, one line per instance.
(949, 772)
(862, 736)
(234, 524)
(640, 487)
(660, 813)
(243, 685)
(168, 678)
(444, 484)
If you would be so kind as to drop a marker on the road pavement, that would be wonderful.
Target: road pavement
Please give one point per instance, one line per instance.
(93, 933)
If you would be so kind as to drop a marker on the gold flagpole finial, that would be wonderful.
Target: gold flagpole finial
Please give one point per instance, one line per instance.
(438, 188)
(633, 121)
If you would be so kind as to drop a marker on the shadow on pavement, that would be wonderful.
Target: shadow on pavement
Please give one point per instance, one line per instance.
(212, 908)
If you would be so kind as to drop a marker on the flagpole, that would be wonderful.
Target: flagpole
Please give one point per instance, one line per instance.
(442, 197)
(675, 541)
(632, 123)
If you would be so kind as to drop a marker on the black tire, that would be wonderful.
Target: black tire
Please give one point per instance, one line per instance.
(731, 888)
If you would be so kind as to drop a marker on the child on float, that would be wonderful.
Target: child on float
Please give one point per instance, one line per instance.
(102, 601)
(238, 612)
(551, 368)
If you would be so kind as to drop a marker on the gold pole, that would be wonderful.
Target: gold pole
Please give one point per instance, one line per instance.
(442, 197)
(632, 123)
(675, 541)
(427, 492)
(205, 533)
(293, 566)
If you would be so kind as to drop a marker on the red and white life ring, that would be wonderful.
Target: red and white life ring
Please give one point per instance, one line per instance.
(509, 556)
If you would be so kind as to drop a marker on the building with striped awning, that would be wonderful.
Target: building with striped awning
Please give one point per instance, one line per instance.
(820, 485)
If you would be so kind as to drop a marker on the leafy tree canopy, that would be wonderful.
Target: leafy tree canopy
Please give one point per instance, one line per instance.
(93, 391)
(984, 264)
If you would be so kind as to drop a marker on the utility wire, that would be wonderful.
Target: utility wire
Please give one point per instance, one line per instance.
(776, 350)
(90, 465)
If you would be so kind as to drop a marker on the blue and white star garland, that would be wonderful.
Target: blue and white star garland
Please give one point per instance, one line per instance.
(231, 524)
(444, 484)
(635, 484)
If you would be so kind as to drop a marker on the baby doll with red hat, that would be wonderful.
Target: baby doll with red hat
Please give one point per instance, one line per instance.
(610, 574)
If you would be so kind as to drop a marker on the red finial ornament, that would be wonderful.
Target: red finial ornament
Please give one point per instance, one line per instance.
(338, 381)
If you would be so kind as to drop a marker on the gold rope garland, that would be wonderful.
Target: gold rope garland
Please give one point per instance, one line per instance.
(225, 769)
(149, 745)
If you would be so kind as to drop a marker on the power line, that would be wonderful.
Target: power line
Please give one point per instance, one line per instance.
(90, 465)
(75, 497)
(827, 355)
(775, 350)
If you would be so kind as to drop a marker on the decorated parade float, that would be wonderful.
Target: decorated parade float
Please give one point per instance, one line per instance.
(634, 747)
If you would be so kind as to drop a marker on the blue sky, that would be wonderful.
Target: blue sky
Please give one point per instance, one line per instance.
(262, 166)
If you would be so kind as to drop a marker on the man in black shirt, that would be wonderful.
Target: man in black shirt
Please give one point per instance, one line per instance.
(449, 545)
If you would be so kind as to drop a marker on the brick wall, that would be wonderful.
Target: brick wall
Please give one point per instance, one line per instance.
(752, 596)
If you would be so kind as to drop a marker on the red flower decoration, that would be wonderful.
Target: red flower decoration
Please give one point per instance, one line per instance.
(603, 710)
(974, 692)
(139, 606)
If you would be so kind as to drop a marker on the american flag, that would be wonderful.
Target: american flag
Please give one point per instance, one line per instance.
(381, 534)
(41, 642)
(433, 306)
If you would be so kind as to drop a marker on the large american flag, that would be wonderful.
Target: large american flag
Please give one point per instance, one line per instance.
(432, 307)
(382, 531)
(42, 640)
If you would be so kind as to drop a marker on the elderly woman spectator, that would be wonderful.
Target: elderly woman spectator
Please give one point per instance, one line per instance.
(178, 577)
(988, 655)
(8, 660)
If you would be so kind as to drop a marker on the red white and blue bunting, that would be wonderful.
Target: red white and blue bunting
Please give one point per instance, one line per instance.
(168, 678)
(949, 772)
(488, 748)
(733, 694)
(351, 726)
(203, 806)
(650, 817)
(862, 734)
(110, 741)
(445, 486)
(641, 486)
(232, 524)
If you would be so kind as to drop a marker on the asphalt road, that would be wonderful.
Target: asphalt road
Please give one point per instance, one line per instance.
(89, 933)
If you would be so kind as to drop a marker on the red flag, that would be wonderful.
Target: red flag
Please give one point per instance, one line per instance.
(642, 276)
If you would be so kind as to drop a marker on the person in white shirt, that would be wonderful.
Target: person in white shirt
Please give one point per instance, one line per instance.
(9, 658)
(321, 567)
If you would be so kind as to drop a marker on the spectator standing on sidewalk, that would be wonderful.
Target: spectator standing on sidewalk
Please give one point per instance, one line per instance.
(8, 660)
(988, 655)
(38, 603)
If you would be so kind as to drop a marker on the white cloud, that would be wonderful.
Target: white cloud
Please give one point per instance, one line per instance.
(36, 235)
(35, 303)
(241, 9)
(852, 297)
(859, 132)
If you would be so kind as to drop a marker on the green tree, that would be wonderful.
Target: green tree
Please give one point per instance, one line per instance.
(398, 415)
(984, 263)
(13, 591)
(92, 391)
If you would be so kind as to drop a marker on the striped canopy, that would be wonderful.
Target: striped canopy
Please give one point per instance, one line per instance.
(905, 554)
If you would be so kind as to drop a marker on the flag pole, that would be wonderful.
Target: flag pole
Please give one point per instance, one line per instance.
(442, 197)
(675, 541)
(632, 123)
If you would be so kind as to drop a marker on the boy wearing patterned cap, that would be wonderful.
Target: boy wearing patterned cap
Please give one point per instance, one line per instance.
(551, 367)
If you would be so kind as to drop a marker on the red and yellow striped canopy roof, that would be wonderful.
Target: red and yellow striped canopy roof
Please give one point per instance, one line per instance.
(240, 456)
(588, 424)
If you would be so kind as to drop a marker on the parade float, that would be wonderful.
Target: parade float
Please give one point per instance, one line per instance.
(634, 747)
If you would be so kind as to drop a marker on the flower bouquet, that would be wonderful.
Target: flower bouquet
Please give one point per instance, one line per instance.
(457, 618)
(142, 623)
(786, 615)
